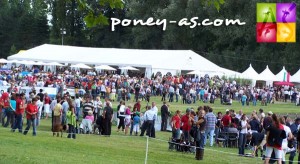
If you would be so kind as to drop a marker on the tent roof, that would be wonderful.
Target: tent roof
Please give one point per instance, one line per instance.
(250, 73)
(160, 59)
(279, 76)
(296, 77)
(266, 75)
(230, 73)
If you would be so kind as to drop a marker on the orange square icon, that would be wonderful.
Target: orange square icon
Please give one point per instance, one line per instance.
(286, 32)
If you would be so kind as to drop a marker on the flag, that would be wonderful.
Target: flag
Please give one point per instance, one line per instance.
(288, 77)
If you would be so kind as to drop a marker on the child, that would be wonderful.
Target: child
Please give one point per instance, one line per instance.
(136, 123)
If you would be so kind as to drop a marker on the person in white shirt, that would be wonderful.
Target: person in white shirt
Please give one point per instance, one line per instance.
(171, 93)
(289, 136)
(40, 107)
(155, 110)
(97, 107)
(77, 107)
(148, 125)
(177, 93)
(242, 135)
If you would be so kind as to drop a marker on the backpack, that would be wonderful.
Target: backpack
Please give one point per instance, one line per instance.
(57, 109)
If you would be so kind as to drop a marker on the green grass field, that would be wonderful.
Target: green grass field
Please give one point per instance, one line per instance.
(44, 148)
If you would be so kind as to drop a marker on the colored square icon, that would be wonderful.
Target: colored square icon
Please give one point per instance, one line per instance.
(286, 32)
(266, 32)
(286, 12)
(276, 22)
(266, 12)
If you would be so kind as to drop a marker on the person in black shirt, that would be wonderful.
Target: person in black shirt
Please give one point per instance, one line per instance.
(41, 95)
(108, 115)
(257, 140)
(137, 88)
(164, 116)
(255, 124)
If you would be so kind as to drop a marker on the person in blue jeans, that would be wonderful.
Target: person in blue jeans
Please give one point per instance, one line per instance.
(200, 136)
(244, 98)
(11, 112)
(254, 99)
(211, 121)
(19, 113)
(31, 112)
(242, 135)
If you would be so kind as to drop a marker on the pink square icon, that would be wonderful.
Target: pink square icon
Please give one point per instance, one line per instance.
(266, 32)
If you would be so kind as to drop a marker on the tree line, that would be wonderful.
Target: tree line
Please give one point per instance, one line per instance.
(28, 23)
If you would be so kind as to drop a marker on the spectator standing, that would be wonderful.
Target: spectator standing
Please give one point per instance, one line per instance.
(164, 116)
(242, 135)
(186, 127)
(31, 112)
(211, 121)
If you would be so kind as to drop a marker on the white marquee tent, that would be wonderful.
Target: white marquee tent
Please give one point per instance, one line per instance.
(267, 76)
(280, 75)
(153, 60)
(296, 77)
(250, 73)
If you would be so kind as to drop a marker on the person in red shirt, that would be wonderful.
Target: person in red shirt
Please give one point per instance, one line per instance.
(186, 127)
(47, 102)
(5, 104)
(21, 105)
(137, 106)
(226, 121)
(31, 111)
(176, 125)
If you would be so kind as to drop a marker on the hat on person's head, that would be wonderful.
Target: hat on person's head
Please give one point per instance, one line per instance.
(263, 115)
(270, 112)
(261, 110)
(227, 110)
(137, 113)
(188, 110)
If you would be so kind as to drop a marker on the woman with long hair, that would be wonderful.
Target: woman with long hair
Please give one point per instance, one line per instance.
(242, 135)
(127, 121)
(200, 135)
(274, 139)
(121, 114)
(71, 120)
(289, 136)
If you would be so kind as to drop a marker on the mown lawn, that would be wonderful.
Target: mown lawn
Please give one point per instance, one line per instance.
(17, 148)
(44, 148)
(282, 108)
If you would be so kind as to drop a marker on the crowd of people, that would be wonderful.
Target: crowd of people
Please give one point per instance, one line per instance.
(85, 113)
(274, 136)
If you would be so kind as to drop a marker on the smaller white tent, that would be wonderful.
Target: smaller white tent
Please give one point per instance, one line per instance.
(251, 74)
(267, 76)
(296, 77)
(280, 75)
